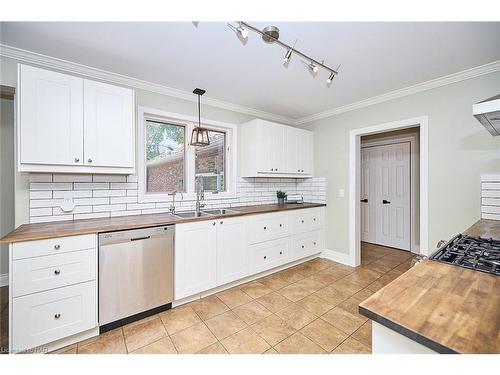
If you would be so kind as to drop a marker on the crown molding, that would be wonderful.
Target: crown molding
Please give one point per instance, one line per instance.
(103, 75)
(424, 86)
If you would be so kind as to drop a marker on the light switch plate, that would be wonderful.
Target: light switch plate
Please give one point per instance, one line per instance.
(341, 193)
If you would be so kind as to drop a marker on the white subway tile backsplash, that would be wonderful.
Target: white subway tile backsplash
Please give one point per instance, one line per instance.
(37, 203)
(40, 194)
(91, 185)
(40, 177)
(40, 211)
(98, 196)
(123, 185)
(109, 178)
(109, 193)
(72, 178)
(110, 207)
(91, 216)
(50, 186)
(73, 194)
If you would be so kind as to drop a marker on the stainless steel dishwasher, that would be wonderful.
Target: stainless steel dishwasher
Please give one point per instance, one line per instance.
(136, 274)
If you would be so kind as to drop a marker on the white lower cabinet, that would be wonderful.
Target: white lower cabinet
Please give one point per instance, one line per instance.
(213, 253)
(232, 263)
(44, 317)
(304, 245)
(268, 255)
(53, 293)
(195, 267)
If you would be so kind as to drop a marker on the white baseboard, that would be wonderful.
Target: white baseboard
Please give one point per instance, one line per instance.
(336, 256)
(4, 279)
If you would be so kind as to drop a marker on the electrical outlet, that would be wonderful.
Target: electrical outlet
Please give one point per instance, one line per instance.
(67, 205)
(341, 193)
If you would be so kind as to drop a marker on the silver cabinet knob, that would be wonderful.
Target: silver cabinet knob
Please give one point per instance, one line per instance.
(281, 252)
(214, 223)
(77, 160)
(57, 246)
(314, 243)
(89, 160)
(222, 222)
(265, 228)
(57, 316)
(302, 221)
(302, 246)
(265, 256)
(57, 272)
(272, 169)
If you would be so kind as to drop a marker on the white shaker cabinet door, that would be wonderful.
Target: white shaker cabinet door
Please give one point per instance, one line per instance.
(50, 118)
(109, 125)
(231, 250)
(195, 258)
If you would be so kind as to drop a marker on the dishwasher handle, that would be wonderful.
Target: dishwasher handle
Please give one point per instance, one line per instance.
(140, 238)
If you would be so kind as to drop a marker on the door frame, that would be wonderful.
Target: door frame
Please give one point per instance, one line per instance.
(355, 180)
(414, 163)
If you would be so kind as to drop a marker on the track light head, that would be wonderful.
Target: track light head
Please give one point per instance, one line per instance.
(330, 78)
(287, 57)
(313, 67)
(240, 30)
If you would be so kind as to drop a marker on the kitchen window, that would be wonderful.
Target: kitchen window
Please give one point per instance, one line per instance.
(210, 163)
(165, 157)
(168, 163)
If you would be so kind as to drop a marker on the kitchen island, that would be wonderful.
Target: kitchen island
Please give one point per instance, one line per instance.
(436, 307)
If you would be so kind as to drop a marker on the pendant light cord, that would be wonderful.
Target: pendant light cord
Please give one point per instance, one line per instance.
(199, 110)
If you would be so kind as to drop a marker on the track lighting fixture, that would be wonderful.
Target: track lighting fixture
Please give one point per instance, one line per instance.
(240, 30)
(270, 34)
(287, 57)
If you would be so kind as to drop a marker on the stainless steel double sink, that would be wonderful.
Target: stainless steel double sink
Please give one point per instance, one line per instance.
(193, 214)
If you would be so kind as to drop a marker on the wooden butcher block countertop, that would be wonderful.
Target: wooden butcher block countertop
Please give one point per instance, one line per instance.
(39, 231)
(447, 308)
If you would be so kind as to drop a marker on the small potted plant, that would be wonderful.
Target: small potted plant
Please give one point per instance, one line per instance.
(281, 195)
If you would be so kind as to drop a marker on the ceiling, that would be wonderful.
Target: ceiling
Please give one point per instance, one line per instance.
(375, 58)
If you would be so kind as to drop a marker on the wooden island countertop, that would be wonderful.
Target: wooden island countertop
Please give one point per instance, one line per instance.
(39, 231)
(447, 308)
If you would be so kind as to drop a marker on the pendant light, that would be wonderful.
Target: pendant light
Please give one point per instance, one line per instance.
(199, 136)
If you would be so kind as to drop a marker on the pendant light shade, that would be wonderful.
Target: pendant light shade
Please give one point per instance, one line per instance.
(199, 136)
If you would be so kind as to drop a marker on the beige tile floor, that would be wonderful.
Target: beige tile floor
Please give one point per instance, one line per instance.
(310, 308)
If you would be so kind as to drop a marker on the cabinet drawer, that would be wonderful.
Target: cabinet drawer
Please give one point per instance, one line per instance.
(51, 246)
(38, 274)
(305, 220)
(306, 244)
(267, 227)
(269, 254)
(41, 318)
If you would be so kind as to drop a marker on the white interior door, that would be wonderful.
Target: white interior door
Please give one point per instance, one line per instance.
(385, 176)
(368, 161)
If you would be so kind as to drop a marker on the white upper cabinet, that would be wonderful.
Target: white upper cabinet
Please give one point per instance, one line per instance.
(50, 118)
(70, 124)
(109, 125)
(269, 149)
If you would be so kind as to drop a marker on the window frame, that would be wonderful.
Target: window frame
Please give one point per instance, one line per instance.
(189, 122)
(225, 132)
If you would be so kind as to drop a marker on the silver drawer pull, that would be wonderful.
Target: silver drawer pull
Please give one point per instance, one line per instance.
(57, 316)
(281, 252)
(302, 221)
(57, 246)
(265, 228)
(281, 225)
(89, 160)
(314, 219)
(222, 222)
(214, 223)
(77, 160)
(302, 246)
(265, 257)
(57, 272)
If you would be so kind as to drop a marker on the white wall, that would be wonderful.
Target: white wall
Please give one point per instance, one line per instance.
(6, 178)
(460, 150)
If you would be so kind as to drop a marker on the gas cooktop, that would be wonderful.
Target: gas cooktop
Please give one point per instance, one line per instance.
(475, 253)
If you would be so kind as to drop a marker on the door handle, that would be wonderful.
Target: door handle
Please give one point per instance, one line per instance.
(386, 202)
(364, 200)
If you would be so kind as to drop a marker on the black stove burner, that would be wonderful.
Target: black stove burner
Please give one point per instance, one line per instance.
(475, 253)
